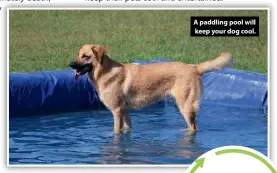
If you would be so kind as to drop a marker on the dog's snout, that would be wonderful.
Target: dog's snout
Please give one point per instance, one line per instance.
(73, 64)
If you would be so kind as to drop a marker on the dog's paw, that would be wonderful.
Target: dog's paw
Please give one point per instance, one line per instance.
(190, 131)
(126, 129)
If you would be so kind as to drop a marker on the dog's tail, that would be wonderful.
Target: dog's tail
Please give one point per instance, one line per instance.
(223, 61)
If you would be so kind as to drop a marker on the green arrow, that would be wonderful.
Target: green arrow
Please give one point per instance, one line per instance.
(226, 151)
(198, 163)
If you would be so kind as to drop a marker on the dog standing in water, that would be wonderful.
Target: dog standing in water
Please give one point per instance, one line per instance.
(129, 86)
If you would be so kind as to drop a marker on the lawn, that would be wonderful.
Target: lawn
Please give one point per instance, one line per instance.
(49, 39)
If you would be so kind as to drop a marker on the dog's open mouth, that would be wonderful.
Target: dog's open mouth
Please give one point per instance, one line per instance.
(81, 69)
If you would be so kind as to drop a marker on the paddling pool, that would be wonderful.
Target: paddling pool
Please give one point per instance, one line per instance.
(158, 136)
(56, 120)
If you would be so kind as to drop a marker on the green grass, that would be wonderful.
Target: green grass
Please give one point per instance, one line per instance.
(49, 39)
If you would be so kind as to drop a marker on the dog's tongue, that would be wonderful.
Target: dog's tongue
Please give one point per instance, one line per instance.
(76, 75)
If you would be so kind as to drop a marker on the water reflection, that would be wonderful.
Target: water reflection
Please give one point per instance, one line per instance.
(126, 150)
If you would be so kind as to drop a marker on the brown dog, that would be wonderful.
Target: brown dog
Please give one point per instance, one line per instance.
(127, 86)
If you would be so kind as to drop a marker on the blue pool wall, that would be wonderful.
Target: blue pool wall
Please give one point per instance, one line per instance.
(49, 92)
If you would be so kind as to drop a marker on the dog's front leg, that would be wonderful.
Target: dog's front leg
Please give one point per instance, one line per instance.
(127, 125)
(118, 115)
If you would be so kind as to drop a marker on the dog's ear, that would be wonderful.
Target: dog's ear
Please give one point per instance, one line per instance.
(99, 52)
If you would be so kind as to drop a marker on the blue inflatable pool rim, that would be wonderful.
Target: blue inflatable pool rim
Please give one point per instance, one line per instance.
(49, 92)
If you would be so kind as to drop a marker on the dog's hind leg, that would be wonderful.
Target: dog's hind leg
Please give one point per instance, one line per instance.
(188, 104)
(189, 115)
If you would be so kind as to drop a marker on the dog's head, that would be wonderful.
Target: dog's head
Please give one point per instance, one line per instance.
(87, 58)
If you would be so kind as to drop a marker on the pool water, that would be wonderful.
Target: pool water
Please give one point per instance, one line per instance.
(158, 136)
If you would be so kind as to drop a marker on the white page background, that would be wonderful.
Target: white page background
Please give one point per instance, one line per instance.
(77, 3)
